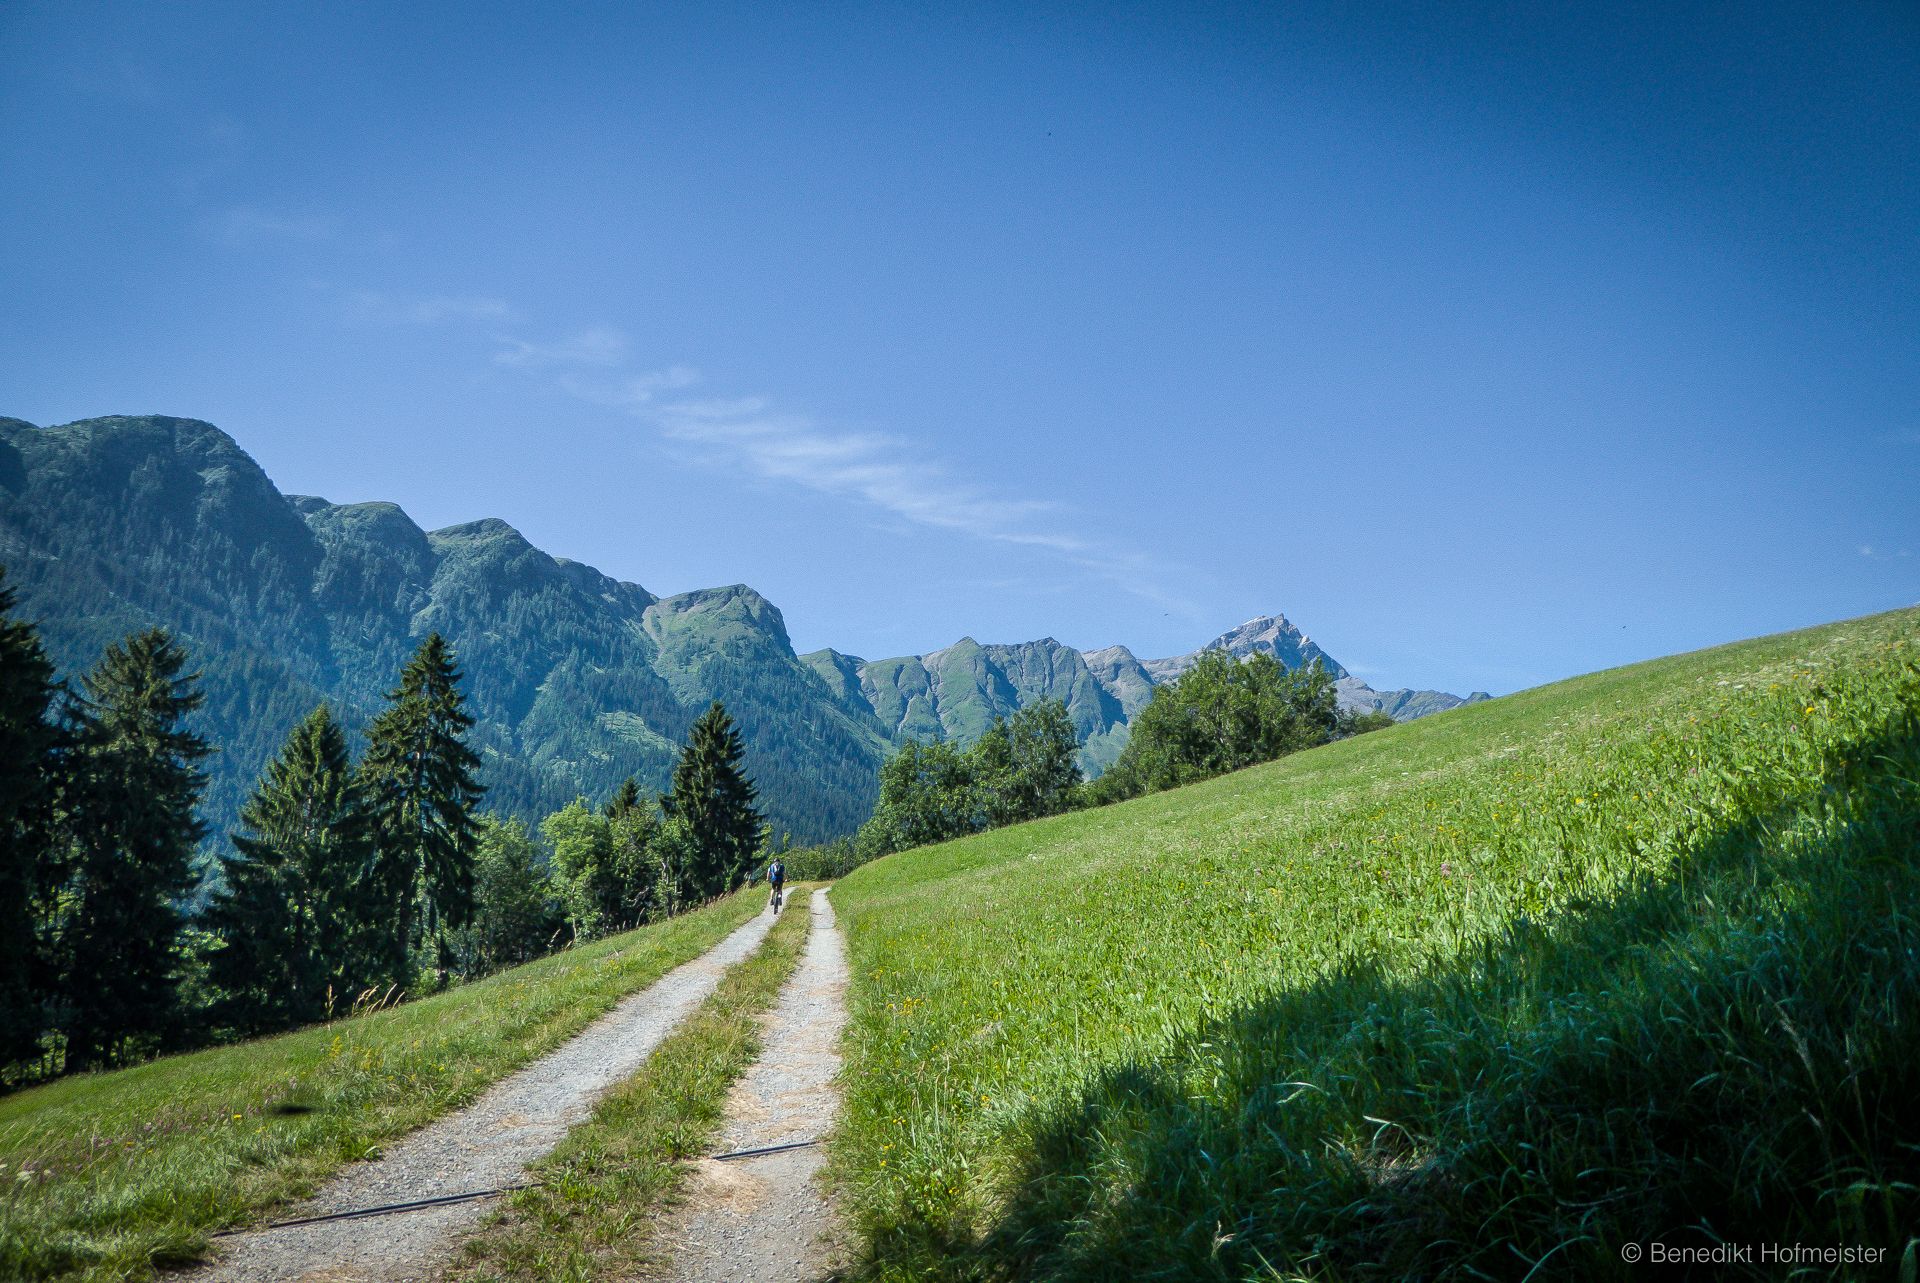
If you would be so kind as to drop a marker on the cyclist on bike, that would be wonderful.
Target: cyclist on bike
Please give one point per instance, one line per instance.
(777, 879)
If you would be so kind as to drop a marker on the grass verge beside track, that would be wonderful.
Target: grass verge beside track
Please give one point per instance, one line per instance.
(107, 1176)
(601, 1189)
(1630, 959)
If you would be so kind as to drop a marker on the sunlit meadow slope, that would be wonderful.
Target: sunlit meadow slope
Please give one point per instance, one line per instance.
(1632, 957)
(108, 1175)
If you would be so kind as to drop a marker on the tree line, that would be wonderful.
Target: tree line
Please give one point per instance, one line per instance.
(1220, 715)
(346, 880)
(1224, 714)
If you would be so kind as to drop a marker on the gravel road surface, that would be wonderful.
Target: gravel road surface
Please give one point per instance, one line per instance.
(483, 1147)
(765, 1219)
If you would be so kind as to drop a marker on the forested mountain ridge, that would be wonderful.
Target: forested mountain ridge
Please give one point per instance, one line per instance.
(576, 679)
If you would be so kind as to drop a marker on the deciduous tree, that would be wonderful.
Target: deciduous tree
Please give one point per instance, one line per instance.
(1025, 766)
(514, 917)
(927, 795)
(1220, 715)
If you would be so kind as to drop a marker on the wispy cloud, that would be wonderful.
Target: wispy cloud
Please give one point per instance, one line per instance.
(893, 476)
(631, 392)
(427, 309)
(883, 472)
(247, 225)
(1872, 553)
(871, 467)
(599, 347)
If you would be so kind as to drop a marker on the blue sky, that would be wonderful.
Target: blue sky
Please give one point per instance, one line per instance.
(1490, 345)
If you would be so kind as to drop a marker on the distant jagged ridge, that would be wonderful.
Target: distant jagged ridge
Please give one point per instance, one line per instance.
(953, 694)
(1274, 635)
(576, 680)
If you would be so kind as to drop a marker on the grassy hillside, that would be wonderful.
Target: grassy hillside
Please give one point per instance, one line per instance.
(103, 1176)
(1634, 957)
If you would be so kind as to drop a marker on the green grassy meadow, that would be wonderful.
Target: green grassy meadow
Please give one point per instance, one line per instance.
(107, 1176)
(1630, 958)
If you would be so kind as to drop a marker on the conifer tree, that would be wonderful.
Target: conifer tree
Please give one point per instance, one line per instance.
(27, 746)
(418, 774)
(283, 920)
(133, 830)
(625, 799)
(713, 798)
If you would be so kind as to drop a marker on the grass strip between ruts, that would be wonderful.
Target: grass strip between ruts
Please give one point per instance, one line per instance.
(592, 1214)
(105, 1176)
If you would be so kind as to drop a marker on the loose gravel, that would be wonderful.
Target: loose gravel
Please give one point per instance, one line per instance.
(486, 1146)
(766, 1218)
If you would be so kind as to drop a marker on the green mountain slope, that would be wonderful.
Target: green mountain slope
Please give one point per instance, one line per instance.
(1632, 958)
(577, 680)
(955, 693)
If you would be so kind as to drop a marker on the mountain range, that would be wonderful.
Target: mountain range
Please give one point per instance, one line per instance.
(576, 680)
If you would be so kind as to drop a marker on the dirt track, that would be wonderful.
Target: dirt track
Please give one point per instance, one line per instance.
(485, 1146)
(766, 1218)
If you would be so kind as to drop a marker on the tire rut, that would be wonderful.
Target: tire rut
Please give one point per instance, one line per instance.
(487, 1145)
(766, 1218)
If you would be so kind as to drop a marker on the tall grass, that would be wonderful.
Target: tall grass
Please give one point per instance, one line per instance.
(107, 1176)
(1628, 959)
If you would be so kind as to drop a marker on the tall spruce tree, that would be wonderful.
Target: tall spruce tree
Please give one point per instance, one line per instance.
(284, 919)
(419, 777)
(27, 764)
(625, 799)
(131, 818)
(713, 798)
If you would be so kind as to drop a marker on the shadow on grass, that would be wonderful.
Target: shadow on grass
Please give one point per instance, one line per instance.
(1724, 1057)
